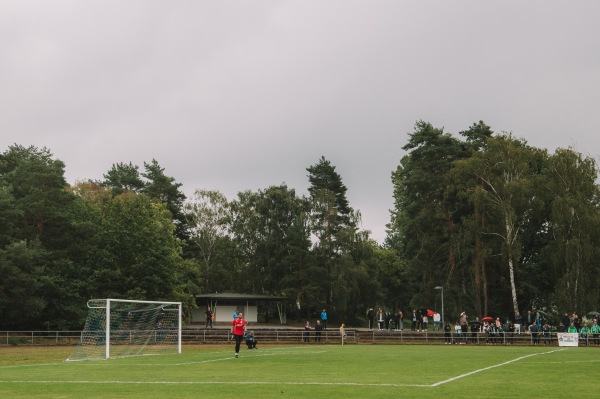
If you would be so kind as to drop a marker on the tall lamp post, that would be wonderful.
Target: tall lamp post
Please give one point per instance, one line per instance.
(439, 287)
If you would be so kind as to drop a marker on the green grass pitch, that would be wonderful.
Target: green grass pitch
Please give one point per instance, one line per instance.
(308, 371)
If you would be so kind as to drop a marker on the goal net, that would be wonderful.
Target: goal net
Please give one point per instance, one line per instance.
(121, 328)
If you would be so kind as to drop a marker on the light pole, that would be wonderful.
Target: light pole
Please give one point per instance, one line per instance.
(439, 287)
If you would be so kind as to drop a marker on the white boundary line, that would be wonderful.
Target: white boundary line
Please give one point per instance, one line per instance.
(356, 384)
(492, 367)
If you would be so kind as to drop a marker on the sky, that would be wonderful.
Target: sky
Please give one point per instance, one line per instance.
(235, 95)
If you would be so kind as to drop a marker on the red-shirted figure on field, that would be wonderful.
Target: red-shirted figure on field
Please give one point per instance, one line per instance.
(238, 329)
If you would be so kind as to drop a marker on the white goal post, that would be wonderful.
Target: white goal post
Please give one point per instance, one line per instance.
(123, 328)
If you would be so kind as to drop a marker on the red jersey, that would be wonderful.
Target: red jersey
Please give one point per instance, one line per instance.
(239, 326)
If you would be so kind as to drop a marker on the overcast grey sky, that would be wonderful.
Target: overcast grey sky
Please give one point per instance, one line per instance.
(237, 95)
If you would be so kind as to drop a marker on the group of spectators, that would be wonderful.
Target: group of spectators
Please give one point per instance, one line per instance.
(385, 319)
(495, 330)
(394, 321)
(535, 324)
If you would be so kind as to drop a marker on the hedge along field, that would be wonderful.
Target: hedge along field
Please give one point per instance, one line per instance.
(310, 371)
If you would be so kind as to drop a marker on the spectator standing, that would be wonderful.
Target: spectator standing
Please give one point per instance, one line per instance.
(447, 333)
(413, 323)
(318, 329)
(529, 320)
(566, 321)
(538, 320)
(425, 322)
(464, 325)
(437, 322)
(380, 318)
(475, 327)
(238, 329)
(585, 334)
(324, 319)
(371, 317)
(390, 320)
(518, 322)
(595, 329)
(576, 321)
(399, 320)
(307, 328)
(209, 318)
(546, 333)
(420, 320)
(457, 333)
(535, 338)
(499, 330)
(511, 332)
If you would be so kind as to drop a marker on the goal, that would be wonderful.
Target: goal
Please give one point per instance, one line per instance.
(122, 328)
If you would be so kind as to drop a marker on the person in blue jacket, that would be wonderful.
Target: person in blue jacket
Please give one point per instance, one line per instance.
(324, 319)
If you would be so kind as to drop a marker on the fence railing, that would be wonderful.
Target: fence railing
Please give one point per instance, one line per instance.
(39, 337)
(274, 336)
(299, 336)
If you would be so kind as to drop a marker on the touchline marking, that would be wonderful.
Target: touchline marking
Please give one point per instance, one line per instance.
(491, 367)
(355, 384)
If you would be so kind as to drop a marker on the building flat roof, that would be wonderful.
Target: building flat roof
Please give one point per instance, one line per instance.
(233, 295)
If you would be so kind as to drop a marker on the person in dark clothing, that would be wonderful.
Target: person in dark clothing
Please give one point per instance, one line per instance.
(529, 320)
(307, 329)
(209, 318)
(577, 321)
(447, 333)
(518, 322)
(475, 326)
(318, 329)
(413, 321)
(566, 321)
(371, 317)
(399, 320)
(535, 338)
(251, 340)
(546, 333)
(511, 332)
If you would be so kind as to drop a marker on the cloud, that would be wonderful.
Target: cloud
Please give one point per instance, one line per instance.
(236, 95)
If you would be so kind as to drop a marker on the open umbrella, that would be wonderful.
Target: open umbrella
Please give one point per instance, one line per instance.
(430, 312)
(593, 313)
(542, 312)
(488, 319)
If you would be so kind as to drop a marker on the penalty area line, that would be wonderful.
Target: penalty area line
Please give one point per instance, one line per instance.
(492, 367)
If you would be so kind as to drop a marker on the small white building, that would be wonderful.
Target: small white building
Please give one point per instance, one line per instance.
(225, 304)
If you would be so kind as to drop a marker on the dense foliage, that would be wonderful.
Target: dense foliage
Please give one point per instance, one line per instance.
(500, 225)
(504, 227)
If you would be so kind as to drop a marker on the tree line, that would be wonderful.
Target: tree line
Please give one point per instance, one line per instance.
(501, 225)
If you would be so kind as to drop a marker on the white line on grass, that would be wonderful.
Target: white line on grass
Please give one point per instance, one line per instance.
(354, 384)
(491, 367)
(230, 358)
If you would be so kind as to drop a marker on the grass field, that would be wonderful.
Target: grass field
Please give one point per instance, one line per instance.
(310, 371)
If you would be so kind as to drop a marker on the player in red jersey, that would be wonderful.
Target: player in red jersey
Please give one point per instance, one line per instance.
(238, 329)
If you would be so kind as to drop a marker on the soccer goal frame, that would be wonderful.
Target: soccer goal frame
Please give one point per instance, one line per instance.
(99, 327)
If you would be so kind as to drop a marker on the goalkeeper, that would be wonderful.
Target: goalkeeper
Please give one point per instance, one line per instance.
(238, 329)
